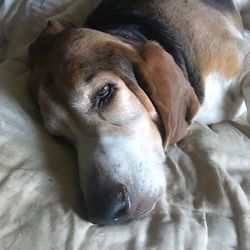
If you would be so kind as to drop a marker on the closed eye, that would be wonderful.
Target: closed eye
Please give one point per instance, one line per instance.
(103, 97)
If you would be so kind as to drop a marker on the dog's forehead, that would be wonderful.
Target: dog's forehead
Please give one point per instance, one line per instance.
(82, 53)
(85, 41)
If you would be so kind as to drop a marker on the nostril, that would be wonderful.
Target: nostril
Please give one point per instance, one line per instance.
(123, 204)
(111, 205)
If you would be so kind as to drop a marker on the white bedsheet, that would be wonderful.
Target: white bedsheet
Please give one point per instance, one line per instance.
(206, 204)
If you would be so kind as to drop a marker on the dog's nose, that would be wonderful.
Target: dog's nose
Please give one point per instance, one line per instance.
(110, 206)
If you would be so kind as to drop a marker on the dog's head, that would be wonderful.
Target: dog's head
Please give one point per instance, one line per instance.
(105, 95)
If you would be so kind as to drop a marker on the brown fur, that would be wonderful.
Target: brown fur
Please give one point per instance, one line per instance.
(208, 53)
(160, 77)
(119, 144)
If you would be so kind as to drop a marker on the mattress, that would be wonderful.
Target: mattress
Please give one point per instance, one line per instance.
(206, 204)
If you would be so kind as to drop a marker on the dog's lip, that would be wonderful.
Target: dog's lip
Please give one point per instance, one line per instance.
(145, 212)
(144, 208)
(138, 214)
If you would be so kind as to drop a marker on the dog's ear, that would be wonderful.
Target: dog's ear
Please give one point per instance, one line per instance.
(164, 82)
(45, 40)
(37, 52)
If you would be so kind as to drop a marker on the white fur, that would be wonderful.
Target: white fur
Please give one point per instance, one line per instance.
(235, 32)
(241, 3)
(121, 159)
(246, 93)
(223, 100)
(134, 159)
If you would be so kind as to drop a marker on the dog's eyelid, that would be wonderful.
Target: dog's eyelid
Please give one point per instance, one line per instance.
(106, 88)
(99, 90)
(103, 96)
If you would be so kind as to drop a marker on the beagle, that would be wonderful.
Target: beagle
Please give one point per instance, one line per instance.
(128, 85)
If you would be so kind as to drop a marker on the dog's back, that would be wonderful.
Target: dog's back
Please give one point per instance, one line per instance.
(209, 35)
(201, 26)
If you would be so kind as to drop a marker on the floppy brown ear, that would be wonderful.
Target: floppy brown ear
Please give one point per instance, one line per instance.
(163, 81)
(45, 40)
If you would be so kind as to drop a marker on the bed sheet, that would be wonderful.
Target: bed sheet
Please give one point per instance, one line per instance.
(22, 20)
(206, 202)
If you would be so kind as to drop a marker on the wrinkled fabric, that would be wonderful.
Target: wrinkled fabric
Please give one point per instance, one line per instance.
(206, 202)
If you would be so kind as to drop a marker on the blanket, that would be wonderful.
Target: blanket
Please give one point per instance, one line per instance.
(206, 204)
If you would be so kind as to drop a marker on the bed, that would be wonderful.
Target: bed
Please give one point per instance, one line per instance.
(206, 204)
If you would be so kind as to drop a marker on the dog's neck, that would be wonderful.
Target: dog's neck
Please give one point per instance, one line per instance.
(140, 26)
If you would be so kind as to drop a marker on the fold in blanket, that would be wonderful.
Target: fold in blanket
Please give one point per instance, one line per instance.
(206, 202)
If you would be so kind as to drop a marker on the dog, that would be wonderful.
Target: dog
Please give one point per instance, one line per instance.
(128, 85)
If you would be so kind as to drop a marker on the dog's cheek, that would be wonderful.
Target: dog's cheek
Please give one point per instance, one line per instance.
(56, 119)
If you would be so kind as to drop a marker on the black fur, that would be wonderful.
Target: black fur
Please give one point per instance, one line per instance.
(140, 25)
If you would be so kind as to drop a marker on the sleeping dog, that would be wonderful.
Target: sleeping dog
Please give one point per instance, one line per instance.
(128, 85)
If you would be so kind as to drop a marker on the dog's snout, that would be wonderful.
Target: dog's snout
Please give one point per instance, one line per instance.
(110, 206)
